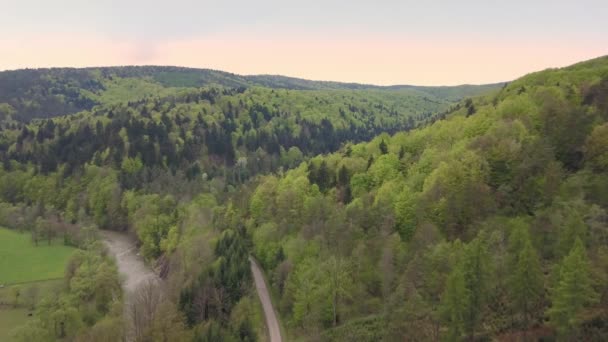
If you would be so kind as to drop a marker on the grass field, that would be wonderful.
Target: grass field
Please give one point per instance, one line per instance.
(21, 261)
(28, 266)
(10, 319)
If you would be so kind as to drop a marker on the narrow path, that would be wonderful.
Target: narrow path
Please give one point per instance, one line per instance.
(271, 319)
(131, 266)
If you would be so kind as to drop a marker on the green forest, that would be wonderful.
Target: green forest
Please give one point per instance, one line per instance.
(473, 213)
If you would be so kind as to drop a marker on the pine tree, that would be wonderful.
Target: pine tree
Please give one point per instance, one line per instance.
(453, 306)
(476, 276)
(464, 298)
(527, 283)
(401, 152)
(323, 176)
(526, 280)
(370, 161)
(572, 292)
(383, 147)
(343, 177)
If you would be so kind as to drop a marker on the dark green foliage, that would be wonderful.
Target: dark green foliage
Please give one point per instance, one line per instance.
(383, 147)
(220, 286)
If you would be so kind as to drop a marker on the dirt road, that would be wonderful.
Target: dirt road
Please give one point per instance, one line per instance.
(131, 266)
(271, 319)
(135, 272)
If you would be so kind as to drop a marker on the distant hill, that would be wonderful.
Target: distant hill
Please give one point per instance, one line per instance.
(43, 93)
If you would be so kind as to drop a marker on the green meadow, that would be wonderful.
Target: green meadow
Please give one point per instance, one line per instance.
(13, 315)
(10, 319)
(25, 266)
(21, 261)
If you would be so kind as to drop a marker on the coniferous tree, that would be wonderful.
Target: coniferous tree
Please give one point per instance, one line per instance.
(572, 292)
(383, 147)
(453, 306)
(527, 283)
(401, 152)
(476, 276)
(323, 177)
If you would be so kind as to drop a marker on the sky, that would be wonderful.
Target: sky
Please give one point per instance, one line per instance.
(378, 42)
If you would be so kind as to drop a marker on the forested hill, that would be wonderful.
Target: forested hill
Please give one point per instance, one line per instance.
(376, 214)
(43, 93)
(232, 132)
(489, 225)
(372, 217)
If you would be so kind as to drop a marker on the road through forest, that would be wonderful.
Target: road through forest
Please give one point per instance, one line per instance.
(134, 271)
(271, 318)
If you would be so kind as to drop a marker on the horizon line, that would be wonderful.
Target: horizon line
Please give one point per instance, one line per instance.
(294, 77)
(272, 75)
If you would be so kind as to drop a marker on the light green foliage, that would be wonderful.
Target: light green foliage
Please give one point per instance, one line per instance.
(94, 280)
(572, 292)
(293, 157)
(567, 218)
(385, 167)
(32, 330)
(93, 290)
(310, 298)
(131, 165)
(291, 194)
(154, 219)
(457, 192)
(168, 244)
(477, 273)
(262, 199)
(405, 212)
(360, 184)
(266, 244)
(481, 176)
(59, 317)
(454, 305)
(526, 278)
(6, 112)
(338, 282)
(103, 192)
(528, 284)
(120, 90)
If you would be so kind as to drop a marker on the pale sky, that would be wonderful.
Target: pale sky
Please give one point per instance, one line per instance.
(423, 42)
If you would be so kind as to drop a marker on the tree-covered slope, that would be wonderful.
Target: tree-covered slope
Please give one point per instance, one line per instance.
(147, 151)
(489, 224)
(43, 93)
(481, 220)
(208, 130)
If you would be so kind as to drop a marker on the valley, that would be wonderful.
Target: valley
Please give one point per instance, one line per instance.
(176, 204)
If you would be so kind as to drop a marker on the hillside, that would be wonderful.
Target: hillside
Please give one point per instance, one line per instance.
(375, 213)
(490, 224)
(232, 132)
(44, 93)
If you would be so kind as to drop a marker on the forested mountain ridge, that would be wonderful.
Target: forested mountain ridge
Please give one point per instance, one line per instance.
(490, 224)
(206, 130)
(43, 93)
(172, 166)
(484, 220)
